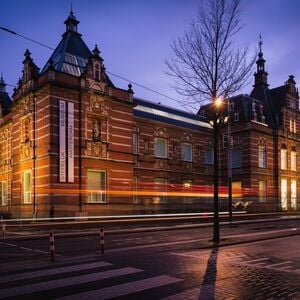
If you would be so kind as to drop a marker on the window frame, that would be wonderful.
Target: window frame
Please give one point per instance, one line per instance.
(27, 195)
(190, 146)
(234, 164)
(156, 154)
(3, 192)
(293, 161)
(262, 157)
(100, 192)
(283, 155)
(206, 161)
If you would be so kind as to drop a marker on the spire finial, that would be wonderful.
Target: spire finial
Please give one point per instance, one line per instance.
(260, 43)
(71, 8)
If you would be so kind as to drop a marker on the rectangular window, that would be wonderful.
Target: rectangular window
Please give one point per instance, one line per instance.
(96, 185)
(135, 188)
(262, 191)
(294, 161)
(3, 192)
(209, 155)
(187, 185)
(27, 187)
(293, 194)
(283, 159)
(236, 158)
(262, 157)
(161, 188)
(160, 147)
(236, 117)
(186, 152)
(135, 143)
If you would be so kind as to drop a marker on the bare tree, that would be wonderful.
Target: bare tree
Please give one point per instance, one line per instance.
(207, 67)
(205, 64)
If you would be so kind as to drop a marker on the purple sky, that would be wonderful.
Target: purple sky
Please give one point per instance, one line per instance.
(134, 36)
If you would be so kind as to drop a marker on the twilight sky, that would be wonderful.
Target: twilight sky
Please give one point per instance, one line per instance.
(134, 37)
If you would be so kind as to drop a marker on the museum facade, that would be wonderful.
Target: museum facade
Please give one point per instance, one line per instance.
(73, 143)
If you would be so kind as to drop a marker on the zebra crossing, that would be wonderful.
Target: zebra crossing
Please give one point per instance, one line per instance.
(89, 280)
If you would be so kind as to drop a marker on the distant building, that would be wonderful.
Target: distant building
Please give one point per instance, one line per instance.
(73, 143)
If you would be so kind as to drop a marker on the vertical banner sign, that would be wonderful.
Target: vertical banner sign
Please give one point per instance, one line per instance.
(62, 141)
(70, 142)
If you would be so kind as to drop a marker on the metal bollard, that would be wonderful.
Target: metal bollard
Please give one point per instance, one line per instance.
(3, 228)
(102, 240)
(52, 248)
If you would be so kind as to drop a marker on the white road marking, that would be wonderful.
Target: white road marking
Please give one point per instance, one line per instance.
(47, 272)
(256, 260)
(125, 288)
(58, 283)
(279, 264)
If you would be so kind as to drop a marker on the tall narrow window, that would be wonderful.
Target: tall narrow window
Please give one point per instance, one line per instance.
(236, 157)
(161, 188)
(187, 185)
(135, 143)
(293, 194)
(160, 147)
(27, 187)
(262, 191)
(96, 185)
(186, 152)
(283, 159)
(294, 161)
(97, 72)
(3, 192)
(209, 155)
(262, 156)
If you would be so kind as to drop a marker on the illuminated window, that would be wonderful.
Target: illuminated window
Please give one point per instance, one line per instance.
(96, 185)
(186, 152)
(160, 187)
(209, 155)
(160, 147)
(283, 159)
(262, 191)
(3, 192)
(294, 161)
(262, 156)
(187, 185)
(27, 187)
(293, 194)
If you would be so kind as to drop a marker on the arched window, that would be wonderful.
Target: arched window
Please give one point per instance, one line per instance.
(262, 154)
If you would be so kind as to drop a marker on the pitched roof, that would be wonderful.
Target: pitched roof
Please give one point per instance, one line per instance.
(72, 54)
(165, 114)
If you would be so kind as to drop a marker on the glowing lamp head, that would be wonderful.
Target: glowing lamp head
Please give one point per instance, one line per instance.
(218, 102)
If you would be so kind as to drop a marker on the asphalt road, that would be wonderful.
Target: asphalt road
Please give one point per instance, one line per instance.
(253, 261)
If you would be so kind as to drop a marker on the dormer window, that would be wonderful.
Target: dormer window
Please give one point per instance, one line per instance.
(96, 72)
(254, 117)
(261, 109)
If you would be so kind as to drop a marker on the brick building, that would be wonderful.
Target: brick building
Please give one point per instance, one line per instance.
(71, 142)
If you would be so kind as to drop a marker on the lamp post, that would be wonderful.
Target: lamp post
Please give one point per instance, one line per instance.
(229, 162)
(213, 114)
